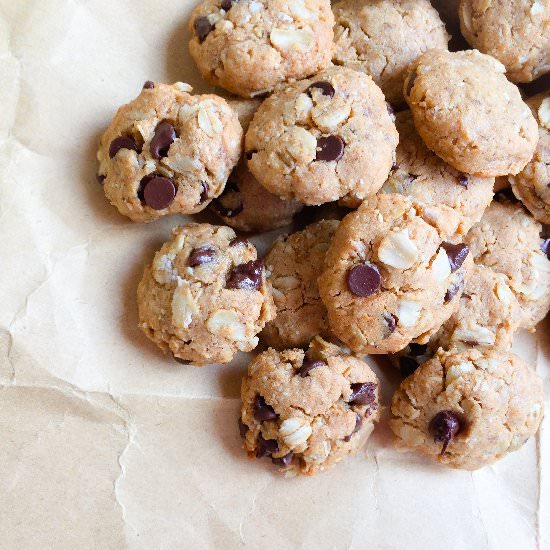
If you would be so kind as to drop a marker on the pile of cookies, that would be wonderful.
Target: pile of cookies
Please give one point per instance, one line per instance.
(359, 105)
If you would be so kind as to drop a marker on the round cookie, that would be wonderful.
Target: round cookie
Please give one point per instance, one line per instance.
(250, 47)
(204, 297)
(389, 277)
(382, 38)
(451, 200)
(469, 114)
(516, 32)
(509, 241)
(532, 184)
(294, 264)
(308, 411)
(247, 206)
(468, 409)
(168, 152)
(322, 138)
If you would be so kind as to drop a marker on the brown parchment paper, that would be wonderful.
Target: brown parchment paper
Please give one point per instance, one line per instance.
(105, 443)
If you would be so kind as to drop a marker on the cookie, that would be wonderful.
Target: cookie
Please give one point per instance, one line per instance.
(532, 184)
(389, 277)
(509, 241)
(204, 298)
(250, 47)
(516, 32)
(468, 409)
(307, 411)
(322, 138)
(247, 206)
(382, 38)
(469, 114)
(451, 200)
(294, 264)
(168, 152)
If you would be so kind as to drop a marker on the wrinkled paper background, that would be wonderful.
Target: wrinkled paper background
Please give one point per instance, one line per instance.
(106, 444)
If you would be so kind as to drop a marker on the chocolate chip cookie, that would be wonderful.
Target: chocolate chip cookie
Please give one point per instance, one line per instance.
(516, 32)
(307, 411)
(451, 200)
(469, 114)
(323, 138)
(389, 277)
(382, 38)
(250, 47)
(468, 409)
(204, 297)
(509, 241)
(168, 152)
(532, 184)
(294, 264)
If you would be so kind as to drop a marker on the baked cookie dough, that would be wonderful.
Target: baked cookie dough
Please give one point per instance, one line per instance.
(516, 32)
(469, 114)
(468, 409)
(294, 264)
(168, 152)
(204, 297)
(532, 184)
(307, 411)
(322, 138)
(451, 200)
(250, 47)
(382, 38)
(247, 206)
(389, 277)
(509, 241)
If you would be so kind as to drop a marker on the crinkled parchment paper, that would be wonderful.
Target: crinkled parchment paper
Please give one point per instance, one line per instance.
(105, 443)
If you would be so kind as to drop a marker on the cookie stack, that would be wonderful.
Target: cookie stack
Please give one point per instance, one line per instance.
(360, 105)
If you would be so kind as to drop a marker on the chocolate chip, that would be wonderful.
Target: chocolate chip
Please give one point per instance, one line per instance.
(237, 241)
(181, 361)
(545, 235)
(358, 424)
(394, 167)
(203, 28)
(309, 365)
(165, 135)
(250, 154)
(246, 276)
(391, 112)
(454, 289)
(202, 255)
(444, 426)
(407, 365)
(416, 350)
(410, 83)
(157, 192)
(263, 411)
(362, 393)
(464, 180)
(226, 4)
(101, 179)
(391, 322)
(330, 148)
(545, 247)
(456, 253)
(472, 343)
(123, 142)
(364, 279)
(266, 447)
(149, 85)
(243, 428)
(283, 461)
(204, 192)
(326, 88)
(545, 231)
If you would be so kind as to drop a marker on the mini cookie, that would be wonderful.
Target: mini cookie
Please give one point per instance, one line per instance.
(246, 205)
(451, 200)
(469, 114)
(308, 411)
(382, 38)
(250, 47)
(323, 138)
(516, 32)
(204, 297)
(468, 409)
(532, 185)
(509, 241)
(168, 152)
(294, 264)
(389, 278)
